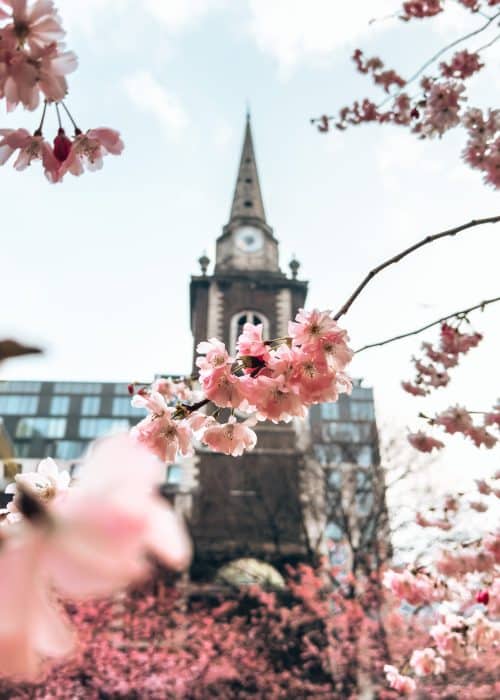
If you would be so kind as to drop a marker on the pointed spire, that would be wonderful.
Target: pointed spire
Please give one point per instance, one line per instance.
(247, 200)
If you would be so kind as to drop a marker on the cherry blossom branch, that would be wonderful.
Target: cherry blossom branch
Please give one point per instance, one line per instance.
(428, 239)
(437, 55)
(457, 314)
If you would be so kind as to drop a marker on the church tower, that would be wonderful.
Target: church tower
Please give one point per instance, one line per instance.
(247, 283)
(250, 506)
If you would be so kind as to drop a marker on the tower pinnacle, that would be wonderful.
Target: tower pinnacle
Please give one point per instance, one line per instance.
(247, 199)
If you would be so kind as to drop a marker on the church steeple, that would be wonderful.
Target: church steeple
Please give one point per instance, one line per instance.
(247, 199)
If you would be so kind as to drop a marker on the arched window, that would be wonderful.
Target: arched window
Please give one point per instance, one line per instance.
(247, 316)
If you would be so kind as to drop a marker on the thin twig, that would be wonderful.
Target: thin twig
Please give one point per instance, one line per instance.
(490, 43)
(430, 325)
(38, 132)
(407, 251)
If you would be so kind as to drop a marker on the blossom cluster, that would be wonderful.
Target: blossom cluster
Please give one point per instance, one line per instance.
(416, 587)
(454, 506)
(437, 105)
(85, 151)
(457, 419)
(88, 540)
(33, 67)
(421, 9)
(267, 380)
(386, 78)
(33, 61)
(452, 344)
(482, 150)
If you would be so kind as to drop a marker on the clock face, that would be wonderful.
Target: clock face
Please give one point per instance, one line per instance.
(249, 239)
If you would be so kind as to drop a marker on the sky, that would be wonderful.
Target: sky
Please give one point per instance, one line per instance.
(96, 270)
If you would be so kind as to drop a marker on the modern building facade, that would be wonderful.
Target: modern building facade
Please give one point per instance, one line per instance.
(275, 503)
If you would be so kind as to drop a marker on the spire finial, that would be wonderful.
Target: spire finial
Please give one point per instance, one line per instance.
(248, 112)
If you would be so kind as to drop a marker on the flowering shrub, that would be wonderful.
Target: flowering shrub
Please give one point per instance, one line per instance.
(459, 590)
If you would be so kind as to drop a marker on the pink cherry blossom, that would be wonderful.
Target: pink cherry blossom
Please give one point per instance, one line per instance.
(462, 65)
(414, 389)
(421, 8)
(442, 109)
(92, 542)
(454, 420)
(426, 662)
(311, 327)
(313, 380)
(479, 506)
(223, 388)
(416, 589)
(493, 418)
(164, 435)
(273, 399)
(480, 436)
(403, 684)
(36, 26)
(46, 483)
(424, 443)
(333, 345)
(98, 538)
(89, 148)
(215, 355)
(448, 635)
(453, 341)
(231, 438)
(30, 148)
(32, 628)
(23, 76)
(250, 343)
(483, 487)
(172, 389)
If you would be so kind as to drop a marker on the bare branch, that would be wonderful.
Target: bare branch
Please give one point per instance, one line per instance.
(407, 251)
(459, 314)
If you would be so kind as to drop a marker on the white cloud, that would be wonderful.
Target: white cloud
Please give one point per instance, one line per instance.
(176, 14)
(296, 30)
(150, 96)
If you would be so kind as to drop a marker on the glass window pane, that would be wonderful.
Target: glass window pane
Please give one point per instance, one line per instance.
(362, 410)
(20, 387)
(41, 427)
(95, 427)
(90, 405)
(22, 449)
(334, 479)
(122, 389)
(69, 449)
(330, 411)
(364, 457)
(123, 407)
(77, 388)
(18, 405)
(59, 405)
(174, 474)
